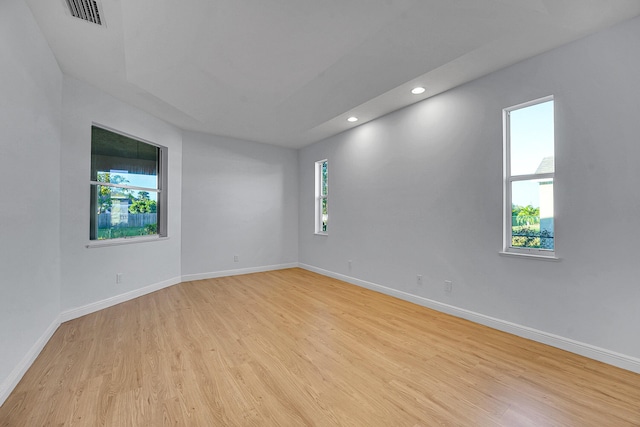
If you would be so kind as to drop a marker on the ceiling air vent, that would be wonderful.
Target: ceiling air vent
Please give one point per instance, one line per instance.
(87, 10)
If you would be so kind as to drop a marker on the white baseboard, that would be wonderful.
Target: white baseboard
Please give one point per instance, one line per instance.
(18, 372)
(623, 361)
(21, 368)
(603, 355)
(237, 272)
(99, 305)
(74, 313)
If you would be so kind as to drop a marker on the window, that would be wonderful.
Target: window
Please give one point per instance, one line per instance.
(128, 182)
(322, 195)
(529, 169)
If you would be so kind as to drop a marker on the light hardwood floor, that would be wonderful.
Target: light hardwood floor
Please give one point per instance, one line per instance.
(293, 348)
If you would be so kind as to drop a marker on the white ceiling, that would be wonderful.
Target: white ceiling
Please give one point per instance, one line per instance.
(289, 72)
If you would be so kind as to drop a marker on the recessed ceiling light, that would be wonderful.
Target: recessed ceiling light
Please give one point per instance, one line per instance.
(352, 119)
(417, 90)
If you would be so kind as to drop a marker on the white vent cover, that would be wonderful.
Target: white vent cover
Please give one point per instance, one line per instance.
(87, 10)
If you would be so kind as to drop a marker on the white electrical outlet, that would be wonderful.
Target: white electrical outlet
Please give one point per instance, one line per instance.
(349, 264)
(118, 277)
(419, 279)
(448, 286)
(236, 258)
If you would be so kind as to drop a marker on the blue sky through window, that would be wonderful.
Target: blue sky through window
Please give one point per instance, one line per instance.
(138, 180)
(532, 140)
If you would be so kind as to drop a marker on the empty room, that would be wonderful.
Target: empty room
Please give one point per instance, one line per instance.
(355, 212)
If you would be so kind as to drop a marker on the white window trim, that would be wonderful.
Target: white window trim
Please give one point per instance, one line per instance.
(319, 197)
(528, 256)
(508, 180)
(124, 241)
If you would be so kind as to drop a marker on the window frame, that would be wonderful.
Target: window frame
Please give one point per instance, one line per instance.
(161, 192)
(319, 197)
(508, 181)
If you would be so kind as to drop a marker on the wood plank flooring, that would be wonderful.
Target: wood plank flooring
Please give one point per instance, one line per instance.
(293, 348)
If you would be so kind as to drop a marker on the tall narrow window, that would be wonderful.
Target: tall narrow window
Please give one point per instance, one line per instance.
(322, 196)
(128, 181)
(529, 170)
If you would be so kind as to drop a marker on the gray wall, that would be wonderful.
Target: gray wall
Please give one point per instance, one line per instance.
(30, 100)
(420, 192)
(238, 198)
(88, 275)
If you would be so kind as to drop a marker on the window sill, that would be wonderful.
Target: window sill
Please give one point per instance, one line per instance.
(124, 241)
(552, 258)
(321, 234)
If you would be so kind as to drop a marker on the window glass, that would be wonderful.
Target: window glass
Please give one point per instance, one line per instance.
(324, 215)
(325, 182)
(532, 214)
(530, 173)
(531, 138)
(321, 196)
(126, 194)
